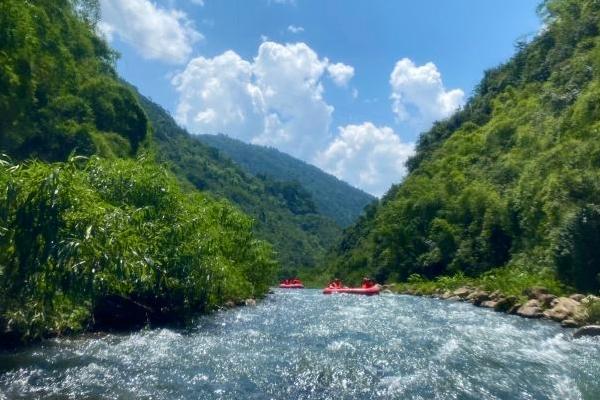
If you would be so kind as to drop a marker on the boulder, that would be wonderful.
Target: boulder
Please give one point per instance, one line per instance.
(546, 299)
(514, 308)
(454, 298)
(229, 304)
(504, 304)
(489, 304)
(562, 308)
(446, 295)
(495, 295)
(531, 309)
(478, 296)
(589, 330)
(577, 297)
(535, 292)
(569, 323)
(462, 292)
(250, 302)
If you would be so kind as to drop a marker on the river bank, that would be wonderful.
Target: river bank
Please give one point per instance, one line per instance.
(571, 311)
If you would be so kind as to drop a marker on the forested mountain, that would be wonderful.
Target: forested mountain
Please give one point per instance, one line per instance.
(284, 212)
(333, 197)
(88, 219)
(512, 180)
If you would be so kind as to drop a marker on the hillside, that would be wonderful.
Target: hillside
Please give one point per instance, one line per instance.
(512, 180)
(284, 212)
(93, 232)
(333, 198)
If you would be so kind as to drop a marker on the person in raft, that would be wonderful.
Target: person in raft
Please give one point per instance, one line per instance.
(367, 283)
(335, 284)
(296, 281)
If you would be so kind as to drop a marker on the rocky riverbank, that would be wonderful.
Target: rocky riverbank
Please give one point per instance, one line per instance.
(538, 302)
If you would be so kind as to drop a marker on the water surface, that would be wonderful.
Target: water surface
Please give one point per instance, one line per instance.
(304, 345)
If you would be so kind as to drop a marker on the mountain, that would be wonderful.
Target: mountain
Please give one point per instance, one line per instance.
(512, 180)
(333, 197)
(284, 212)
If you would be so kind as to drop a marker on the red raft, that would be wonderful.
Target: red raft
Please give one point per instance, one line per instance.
(291, 284)
(366, 291)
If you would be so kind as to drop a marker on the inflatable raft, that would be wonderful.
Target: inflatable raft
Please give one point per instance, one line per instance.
(366, 291)
(291, 286)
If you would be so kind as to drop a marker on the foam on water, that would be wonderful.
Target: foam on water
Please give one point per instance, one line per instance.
(304, 345)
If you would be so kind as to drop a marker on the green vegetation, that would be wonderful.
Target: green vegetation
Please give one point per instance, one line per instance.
(333, 198)
(511, 181)
(77, 230)
(58, 89)
(283, 211)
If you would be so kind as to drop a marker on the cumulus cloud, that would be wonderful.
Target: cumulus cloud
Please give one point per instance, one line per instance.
(295, 29)
(157, 33)
(276, 99)
(366, 156)
(419, 96)
(340, 73)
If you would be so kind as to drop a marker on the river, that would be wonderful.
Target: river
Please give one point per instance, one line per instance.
(304, 345)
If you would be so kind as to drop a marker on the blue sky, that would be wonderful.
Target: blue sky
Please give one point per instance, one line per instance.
(345, 85)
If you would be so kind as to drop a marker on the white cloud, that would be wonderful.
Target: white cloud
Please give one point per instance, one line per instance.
(276, 99)
(340, 73)
(366, 156)
(419, 96)
(157, 33)
(295, 29)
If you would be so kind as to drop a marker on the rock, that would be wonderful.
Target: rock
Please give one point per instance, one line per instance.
(119, 312)
(569, 323)
(387, 291)
(577, 297)
(446, 295)
(250, 302)
(562, 308)
(535, 292)
(546, 299)
(505, 304)
(489, 304)
(454, 298)
(229, 304)
(514, 308)
(590, 330)
(590, 299)
(478, 296)
(462, 292)
(531, 309)
(495, 295)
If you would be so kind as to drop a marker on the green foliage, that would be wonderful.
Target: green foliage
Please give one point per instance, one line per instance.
(332, 197)
(58, 89)
(71, 233)
(510, 281)
(510, 181)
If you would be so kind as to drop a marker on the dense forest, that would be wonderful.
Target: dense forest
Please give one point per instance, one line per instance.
(284, 212)
(88, 218)
(511, 181)
(332, 197)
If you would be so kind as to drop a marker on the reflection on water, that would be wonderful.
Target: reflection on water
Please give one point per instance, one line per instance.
(304, 345)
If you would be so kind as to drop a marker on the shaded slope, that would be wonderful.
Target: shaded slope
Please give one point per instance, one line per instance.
(333, 197)
(284, 213)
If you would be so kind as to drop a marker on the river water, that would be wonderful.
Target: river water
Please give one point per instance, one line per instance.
(304, 345)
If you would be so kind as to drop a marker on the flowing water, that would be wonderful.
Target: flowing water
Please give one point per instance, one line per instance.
(304, 345)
